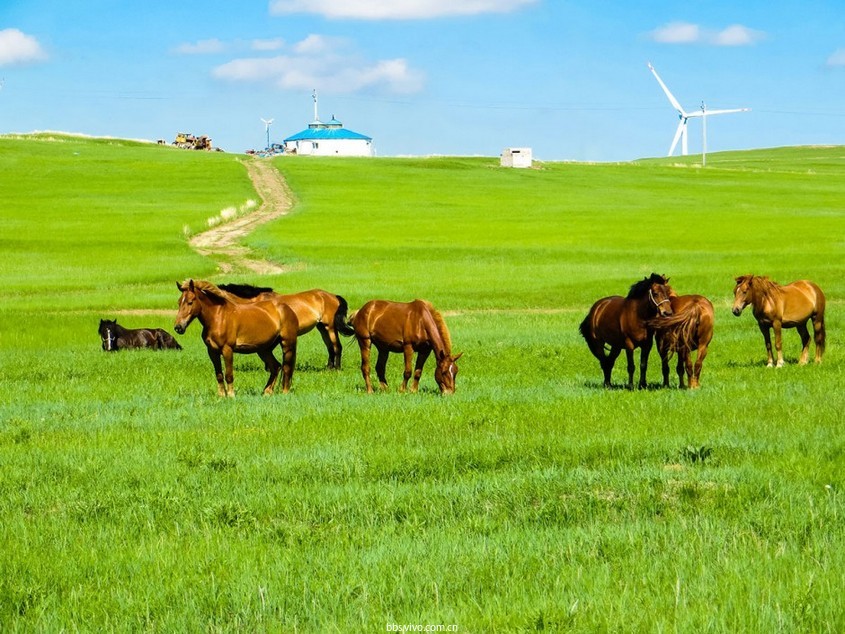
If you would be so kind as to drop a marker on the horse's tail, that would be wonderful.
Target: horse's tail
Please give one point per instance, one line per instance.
(341, 323)
(680, 330)
(818, 322)
(585, 329)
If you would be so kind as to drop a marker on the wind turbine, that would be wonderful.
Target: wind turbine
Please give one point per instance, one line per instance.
(684, 116)
(267, 123)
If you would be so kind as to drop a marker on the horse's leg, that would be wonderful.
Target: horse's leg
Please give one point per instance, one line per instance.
(228, 360)
(272, 365)
(644, 352)
(381, 366)
(333, 346)
(422, 357)
(288, 361)
(695, 377)
(214, 355)
(776, 326)
(665, 356)
(684, 367)
(767, 337)
(818, 335)
(364, 344)
(408, 355)
(629, 353)
(607, 363)
(804, 333)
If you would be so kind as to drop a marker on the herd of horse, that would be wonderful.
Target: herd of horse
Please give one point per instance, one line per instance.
(245, 319)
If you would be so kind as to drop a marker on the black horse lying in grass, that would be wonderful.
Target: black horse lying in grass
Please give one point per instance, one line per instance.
(116, 337)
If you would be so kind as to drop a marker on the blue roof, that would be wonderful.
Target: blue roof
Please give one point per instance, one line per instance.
(326, 134)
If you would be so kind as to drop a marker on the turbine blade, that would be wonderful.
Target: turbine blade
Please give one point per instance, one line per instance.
(709, 112)
(682, 126)
(671, 97)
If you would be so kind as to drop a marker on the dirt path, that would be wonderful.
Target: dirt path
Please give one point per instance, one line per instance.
(222, 243)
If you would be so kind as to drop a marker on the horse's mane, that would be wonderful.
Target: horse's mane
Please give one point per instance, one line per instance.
(441, 327)
(766, 286)
(246, 291)
(211, 290)
(641, 288)
(762, 284)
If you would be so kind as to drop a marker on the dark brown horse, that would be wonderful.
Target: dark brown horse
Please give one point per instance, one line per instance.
(230, 325)
(407, 328)
(115, 337)
(689, 328)
(776, 307)
(314, 308)
(622, 323)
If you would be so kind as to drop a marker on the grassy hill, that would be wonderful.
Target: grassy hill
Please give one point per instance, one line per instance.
(134, 499)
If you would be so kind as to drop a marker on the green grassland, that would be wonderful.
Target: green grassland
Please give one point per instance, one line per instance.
(133, 499)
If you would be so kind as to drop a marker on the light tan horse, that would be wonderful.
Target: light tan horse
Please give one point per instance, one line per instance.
(314, 309)
(407, 328)
(690, 327)
(230, 326)
(776, 307)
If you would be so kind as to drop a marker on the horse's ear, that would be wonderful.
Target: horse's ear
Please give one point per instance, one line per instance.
(179, 286)
(457, 356)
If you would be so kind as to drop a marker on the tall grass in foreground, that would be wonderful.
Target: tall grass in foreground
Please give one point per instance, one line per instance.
(133, 499)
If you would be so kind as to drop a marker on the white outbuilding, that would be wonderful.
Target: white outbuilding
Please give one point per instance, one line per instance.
(516, 157)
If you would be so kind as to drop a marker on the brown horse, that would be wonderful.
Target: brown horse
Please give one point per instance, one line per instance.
(407, 328)
(115, 337)
(689, 328)
(776, 307)
(314, 308)
(230, 326)
(622, 323)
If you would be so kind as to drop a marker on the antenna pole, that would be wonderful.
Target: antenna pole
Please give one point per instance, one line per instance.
(314, 96)
(704, 135)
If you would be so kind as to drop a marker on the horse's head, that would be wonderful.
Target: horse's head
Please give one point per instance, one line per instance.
(660, 294)
(446, 372)
(742, 293)
(190, 306)
(108, 334)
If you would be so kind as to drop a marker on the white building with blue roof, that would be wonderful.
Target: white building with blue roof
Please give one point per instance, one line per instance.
(328, 139)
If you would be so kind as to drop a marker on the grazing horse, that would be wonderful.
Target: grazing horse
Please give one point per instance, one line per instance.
(689, 328)
(229, 326)
(407, 328)
(115, 337)
(623, 323)
(314, 308)
(776, 307)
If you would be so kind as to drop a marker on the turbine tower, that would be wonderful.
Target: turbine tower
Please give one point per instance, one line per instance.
(684, 116)
(267, 123)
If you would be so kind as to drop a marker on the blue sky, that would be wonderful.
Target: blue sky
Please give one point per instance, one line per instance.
(467, 77)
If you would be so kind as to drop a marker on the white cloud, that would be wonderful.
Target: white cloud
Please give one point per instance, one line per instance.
(202, 47)
(320, 45)
(677, 33)
(395, 9)
(736, 35)
(16, 47)
(688, 33)
(329, 64)
(837, 58)
(274, 44)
